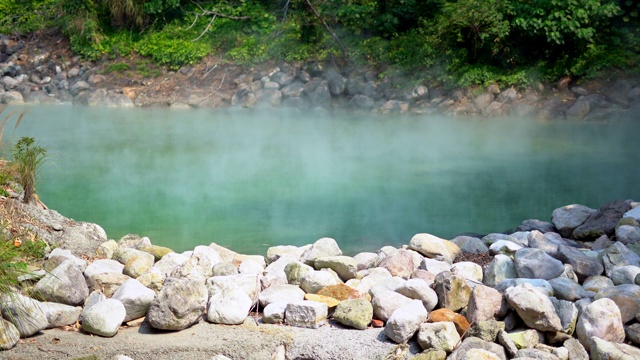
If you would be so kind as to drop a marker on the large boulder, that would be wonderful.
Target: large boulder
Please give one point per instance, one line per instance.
(180, 304)
(534, 307)
(24, 313)
(135, 297)
(600, 319)
(65, 284)
(568, 218)
(60, 314)
(603, 222)
(626, 297)
(485, 303)
(536, 264)
(434, 247)
(104, 318)
(356, 313)
(609, 350)
(453, 291)
(438, 336)
(284, 293)
(229, 306)
(386, 302)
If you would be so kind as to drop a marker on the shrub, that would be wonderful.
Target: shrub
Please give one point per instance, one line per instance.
(27, 158)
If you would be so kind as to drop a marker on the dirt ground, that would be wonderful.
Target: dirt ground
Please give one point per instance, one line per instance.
(205, 340)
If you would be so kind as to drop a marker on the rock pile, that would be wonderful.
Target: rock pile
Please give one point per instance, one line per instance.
(565, 289)
(42, 77)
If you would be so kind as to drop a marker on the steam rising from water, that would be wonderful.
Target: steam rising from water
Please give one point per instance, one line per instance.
(253, 179)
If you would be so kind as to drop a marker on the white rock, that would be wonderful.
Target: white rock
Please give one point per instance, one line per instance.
(60, 314)
(534, 307)
(601, 319)
(274, 313)
(405, 321)
(65, 284)
(313, 281)
(308, 314)
(229, 306)
(419, 289)
(104, 318)
(284, 293)
(321, 248)
(24, 313)
(438, 336)
(386, 302)
(135, 297)
(103, 266)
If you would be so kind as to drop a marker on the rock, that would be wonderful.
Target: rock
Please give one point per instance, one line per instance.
(107, 283)
(104, 318)
(542, 285)
(341, 292)
(538, 225)
(534, 307)
(526, 338)
(549, 242)
(597, 283)
(345, 266)
(394, 107)
(434, 247)
(603, 222)
(438, 336)
(65, 284)
(390, 284)
(405, 321)
(138, 265)
(248, 283)
(634, 213)
(431, 354)
(361, 102)
(103, 266)
(606, 350)
(24, 313)
(9, 335)
(58, 256)
(626, 297)
(419, 289)
(446, 315)
(435, 266)
(224, 269)
(295, 89)
(624, 274)
(399, 263)
(485, 303)
(618, 255)
(486, 330)
(476, 343)
(158, 252)
(135, 297)
(284, 293)
(307, 314)
(505, 247)
(628, 234)
(579, 109)
(468, 244)
(335, 82)
(536, 264)
(152, 280)
(106, 249)
(274, 313)
(452, 290)
(600, 319)
(583, 265)
(79, 87)
(356, 313)
(499, 269)
(386, 302)
(244, 98)
(321, 248)
(468, 270)
(568, 218)
(60, 314)
(566, 289)
(11, 97)
(249, 267)
(313, 281)
(229, 306)
(568, 314)
(632, 333)
(576, 350)
(365, 260)
(480, 354)
(276, 252)
(373, 277)
(180, 303)
(331, 302)
(483, 100)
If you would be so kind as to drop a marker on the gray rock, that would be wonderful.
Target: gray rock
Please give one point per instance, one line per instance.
(489, 239)
(307, 314)
(321, 248)
(576, 350)
(536, 354)
(65, 284)
(79, 87)
(534, 224)
(452, 290)
(284, 293)
(536, 264)
(386, 302)
(579, 109)
(295, 89)
(485, 303)
(135, 297)
(345, 266)
(618, 255)
(317, 91)
(356, 313)
(540, 284)
(224, 269)
(600, 319)
(603, 222)
(60, 314)
(634, 213)
(24, 313)
(534, 307)
(388, 284)
(498, 270)
(229, 306)
(104, 318)
(568, 218)
(549, 241)
(606, 350)
(180, 303)
(336, 82)
(438, 336)
(568, 314)
(276, 252)
(628, 234)
(9, 335)
(566, 289)
(283, 79)
(625, 274)
(394, 107)
(468, 244)
(435, 266)
(476, 343)
(405, 321)
(244, 98)
(483, 100)
(419, 289)
(468, 270)
(584, 266)
(59, 255)
(361, 102)
(632, 333)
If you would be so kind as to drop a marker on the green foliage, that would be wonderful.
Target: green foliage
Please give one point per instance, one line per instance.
(10, 266)
(486, 75)
(27, 16)
(118, 67)
(173, 47)
(27, 157)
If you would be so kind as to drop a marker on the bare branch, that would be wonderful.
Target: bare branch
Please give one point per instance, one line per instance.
(284, 17)
(326, 26)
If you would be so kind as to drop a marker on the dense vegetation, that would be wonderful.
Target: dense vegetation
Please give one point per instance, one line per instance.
(460, 42)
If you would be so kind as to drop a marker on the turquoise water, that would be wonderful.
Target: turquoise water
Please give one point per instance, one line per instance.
(252, 179)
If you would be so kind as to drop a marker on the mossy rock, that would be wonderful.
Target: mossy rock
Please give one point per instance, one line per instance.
(627, 221)
(157, 251)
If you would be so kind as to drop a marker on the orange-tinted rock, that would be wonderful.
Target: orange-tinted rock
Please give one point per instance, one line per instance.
(340, 292)
(377, 323)
(442, 315)
(331, 302)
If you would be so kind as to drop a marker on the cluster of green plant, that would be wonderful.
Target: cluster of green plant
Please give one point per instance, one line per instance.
(27, 157)
(456, 41)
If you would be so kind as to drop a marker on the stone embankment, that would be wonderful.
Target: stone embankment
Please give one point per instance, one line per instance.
(29, 74)
(565, 289)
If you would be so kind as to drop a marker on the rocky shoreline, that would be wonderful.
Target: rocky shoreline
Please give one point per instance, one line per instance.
(564, 289)
(33, 73)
